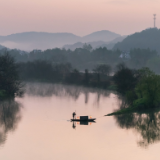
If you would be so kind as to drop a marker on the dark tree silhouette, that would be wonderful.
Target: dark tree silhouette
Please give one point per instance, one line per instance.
(9, 79)
(124, 78)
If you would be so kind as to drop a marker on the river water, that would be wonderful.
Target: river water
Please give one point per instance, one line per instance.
(37, 127)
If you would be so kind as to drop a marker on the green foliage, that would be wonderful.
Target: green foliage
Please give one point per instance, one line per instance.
(74, 77)
(86, 77)
(130, 96)
(112, 87)
(140, 57)
(145, 94)
(154, 64)
(87, 47)
(82, 58)
(103, 69)
(9, 78)
(148, 38)
(148, 90)
(123, 111)
(125, 78)
(43, 71)
(2, 93)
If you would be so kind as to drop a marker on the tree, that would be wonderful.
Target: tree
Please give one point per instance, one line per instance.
(102, 69)
(125, 78)
(148, 90)
(139, 57)
(87, 47)
(74, 77)
(86, 77)
(154, 64)
(9, 79)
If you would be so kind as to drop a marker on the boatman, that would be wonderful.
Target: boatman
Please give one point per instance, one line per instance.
(74, 114)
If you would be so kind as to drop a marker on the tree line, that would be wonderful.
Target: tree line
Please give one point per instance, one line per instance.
(12, 71)
(84, 58)
(45, 71)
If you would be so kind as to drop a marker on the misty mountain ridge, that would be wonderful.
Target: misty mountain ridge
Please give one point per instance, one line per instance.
(148, 38)
(81, 44)
(96, 44)
(2, 47)
(103, 35)
(37, 40)
(43, 40)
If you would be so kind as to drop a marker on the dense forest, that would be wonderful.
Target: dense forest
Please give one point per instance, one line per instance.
(88, 58)
(148, 38)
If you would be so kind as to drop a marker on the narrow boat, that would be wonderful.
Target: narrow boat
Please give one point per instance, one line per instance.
(89, 120)
(84, 118)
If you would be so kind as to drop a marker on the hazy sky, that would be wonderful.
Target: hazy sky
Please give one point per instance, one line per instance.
(80, 17)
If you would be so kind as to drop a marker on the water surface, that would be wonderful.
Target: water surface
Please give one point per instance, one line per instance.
(37, 127)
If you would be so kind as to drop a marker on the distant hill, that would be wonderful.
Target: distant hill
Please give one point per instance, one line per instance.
(95, 44)
(2, 47)
(110, 45)
(103, 35)
(149, 38)
(80, 45)
(37, 40)
(42, 40)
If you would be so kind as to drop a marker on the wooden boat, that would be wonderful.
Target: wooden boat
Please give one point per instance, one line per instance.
(89, 120)
(84, 118)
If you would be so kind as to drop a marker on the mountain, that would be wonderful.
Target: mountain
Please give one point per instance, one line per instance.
(103, 35)
(43, 40)
(73, 46)
(38, 40)
(95, 44)
(110, 45)
(2, 47)
(80, 45)
(148, 38)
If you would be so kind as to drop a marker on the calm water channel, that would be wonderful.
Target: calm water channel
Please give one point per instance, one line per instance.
(37, 127)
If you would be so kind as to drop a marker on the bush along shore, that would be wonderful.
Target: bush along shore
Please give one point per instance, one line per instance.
(140, 88)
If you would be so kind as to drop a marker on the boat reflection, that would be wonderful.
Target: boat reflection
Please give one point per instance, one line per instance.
(74, 123)
(10, 116)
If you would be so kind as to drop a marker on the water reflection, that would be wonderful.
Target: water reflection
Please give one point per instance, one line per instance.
(146, 123)
(74, 92)
(74, 124)
(9, 118)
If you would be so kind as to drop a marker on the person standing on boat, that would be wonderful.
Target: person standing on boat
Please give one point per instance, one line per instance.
(74, 114)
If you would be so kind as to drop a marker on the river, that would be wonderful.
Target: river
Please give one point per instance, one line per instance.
(37, 126)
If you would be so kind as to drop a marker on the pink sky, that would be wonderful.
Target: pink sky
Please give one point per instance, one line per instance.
(80, 17)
